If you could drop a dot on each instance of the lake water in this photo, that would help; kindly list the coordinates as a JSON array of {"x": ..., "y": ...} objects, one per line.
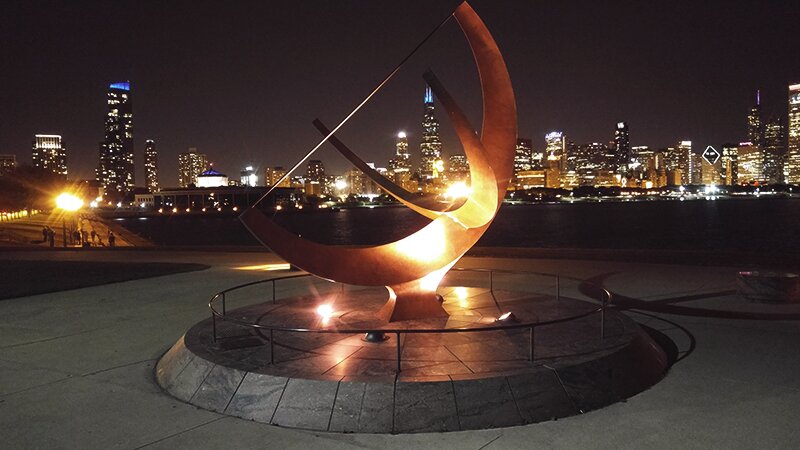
[{"x": 765, "y": 225}]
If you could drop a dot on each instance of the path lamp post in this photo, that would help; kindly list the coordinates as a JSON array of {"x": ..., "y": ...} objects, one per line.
[{"x": 68, "y": 203}]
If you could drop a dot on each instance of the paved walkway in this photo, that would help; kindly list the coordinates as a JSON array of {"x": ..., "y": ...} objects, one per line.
[
  {"x": 76, "y": 367},
  {"x": 28, "y": 231}
]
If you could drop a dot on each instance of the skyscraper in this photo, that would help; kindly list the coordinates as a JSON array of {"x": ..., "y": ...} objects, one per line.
[
  {"x": 431, "y": 147},
  {"x": 49, "y": 153},
  {"x": 555, "y": 153},
  {"x": 792, "y": 168},
  {"x": 115, "y": 170},
  {"x": 730, "y": 165},
  {"x": 755, "y": 126},
  {"x": 190, "y": 166},
  {"x": 457, "y": 168},
  {"x": 273, "y": 174},
  {"x": 315, "y": 170},
  {"x": 750, "y": 163},
  {"x": 687, "y": 162},
  {"x": 774, "y": 150},
  {"x": 402, "y": 160},
  {"x": 400, "y": 165},
  {"x": 151, "y": 165},
  {"x": 622, "y": 146},
  {"x": 248, "y": 177},
  {"x": 523, "y": 155}
]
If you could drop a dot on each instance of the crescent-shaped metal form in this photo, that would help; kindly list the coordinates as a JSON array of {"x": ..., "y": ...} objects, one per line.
[{"x": 411, "y": 268}]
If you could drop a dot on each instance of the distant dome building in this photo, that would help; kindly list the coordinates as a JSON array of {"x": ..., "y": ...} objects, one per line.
[{"x": 211, "y": 178}]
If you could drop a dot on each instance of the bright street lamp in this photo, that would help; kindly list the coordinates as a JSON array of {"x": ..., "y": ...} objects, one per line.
[{"x": 68, "y": 203}]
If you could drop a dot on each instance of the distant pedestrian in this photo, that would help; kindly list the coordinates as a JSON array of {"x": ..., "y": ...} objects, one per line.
[
  {"x": 94, "y": 235},
  {"x": 84, "y": 236},
  {"x": 112, "y": 240},
  {"x": 76, "y": 237},
  {"x": 51, "y": 236},
  {"x": 44, "y": 234}
]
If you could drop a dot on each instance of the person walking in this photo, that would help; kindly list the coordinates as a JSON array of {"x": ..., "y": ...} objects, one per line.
[
  {"x": 94, "y": 236},
  {"x": 44, "y": 234},
  {"x": 51, "y": 236},
  {"x": 112, "y": 240}
]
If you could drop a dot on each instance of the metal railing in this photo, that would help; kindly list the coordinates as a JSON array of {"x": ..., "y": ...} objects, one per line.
[{"x": 604, "y": 301}]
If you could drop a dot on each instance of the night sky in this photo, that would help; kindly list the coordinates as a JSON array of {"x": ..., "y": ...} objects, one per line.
[{"x": 243, "y": 81}]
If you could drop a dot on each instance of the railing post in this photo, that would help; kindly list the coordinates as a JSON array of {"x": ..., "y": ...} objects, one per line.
[
  {"x": 214, "y": 326},
  {"x": 558, "y": 287},
  {"x": 397, "y": 335},
  {"x": 530, "y": 349},
  {"x": 223, "y": 305},
  {"x": 273, "y": 290},
  {"x": 603, "y": 315},
  {"x": 271, "y": 348}
]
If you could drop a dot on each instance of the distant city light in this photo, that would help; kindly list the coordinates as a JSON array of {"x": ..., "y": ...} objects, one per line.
[
  {"x": 340, "y": 184},
  {"x": 125, "y": 86},
  {"x": 401, "y": 135}
]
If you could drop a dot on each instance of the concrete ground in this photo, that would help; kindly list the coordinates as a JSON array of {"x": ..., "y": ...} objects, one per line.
[{"x": 76, "y": 367}]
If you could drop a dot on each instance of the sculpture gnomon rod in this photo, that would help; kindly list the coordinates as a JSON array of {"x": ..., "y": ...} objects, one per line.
[{"x": 411, "y": 268}]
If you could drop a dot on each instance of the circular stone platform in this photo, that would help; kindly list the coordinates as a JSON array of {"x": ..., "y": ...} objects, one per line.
[{"x": 448, "y": 381}]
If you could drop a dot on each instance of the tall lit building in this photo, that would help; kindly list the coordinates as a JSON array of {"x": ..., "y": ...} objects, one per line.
[
  {"x": 457, "y": 168},
  {"x": 190, "y": 166},
  {"x": 555, "y": 151},
  {"x": 523, "y": 155},
  {"x": 792, "y": 167},
  {"x": 273, "y": 174},
  {"x": 622, "y": 148},
  {"x": 150, "y": 165},
  {"x": 774, "y": 150},
  {"x": 49, "y": 153},
  {"x": 315, "y": 171},
  {"x": 755, "y": 125},
  {"x": 687, "y": 163},
  {"x": 431, "y": 147},
  {"x": 402, "y": 159},
  {"x": 248, "y": 177},
  {"x": 115, "y": 170},
  {"x": 729, "y": 170},
  {"x": 400, "y": 165},
  {"x": 750, "y": 163}
]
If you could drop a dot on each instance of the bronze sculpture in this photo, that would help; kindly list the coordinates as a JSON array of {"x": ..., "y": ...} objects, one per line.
[{"x": 411, "y": 268}]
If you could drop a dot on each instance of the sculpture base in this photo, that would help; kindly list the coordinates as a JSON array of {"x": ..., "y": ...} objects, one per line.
[
  {"x": 448, "y": 380},
  {"x": 408, "y": 302}
]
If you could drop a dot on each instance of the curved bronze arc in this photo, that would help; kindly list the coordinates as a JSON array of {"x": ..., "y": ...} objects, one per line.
[{"x": 439, "y": 244}]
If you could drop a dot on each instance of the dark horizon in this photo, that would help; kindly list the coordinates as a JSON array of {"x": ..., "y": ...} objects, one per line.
[{"x": 242, "y": 82}]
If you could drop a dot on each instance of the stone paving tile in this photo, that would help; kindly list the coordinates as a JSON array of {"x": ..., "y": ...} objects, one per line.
[
  {"x": 485, "y": 403},
  {"x": 539, "y": 396},
  {"x": 424, "y": 407},
  {"x": 306, "y": 404},
  {"x": 218, "y": 388},
  {"x": 257, "y": 397}
]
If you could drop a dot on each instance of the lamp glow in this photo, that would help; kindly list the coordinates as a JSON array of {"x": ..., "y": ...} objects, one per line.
[
  {"x": 68, "y": 202},
  {"x": 458, "y": 190},
  {"x": 325, "y": 311}
]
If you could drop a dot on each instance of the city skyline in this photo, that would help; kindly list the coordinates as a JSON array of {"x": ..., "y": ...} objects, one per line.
[{"x": 700, "y": 87}]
